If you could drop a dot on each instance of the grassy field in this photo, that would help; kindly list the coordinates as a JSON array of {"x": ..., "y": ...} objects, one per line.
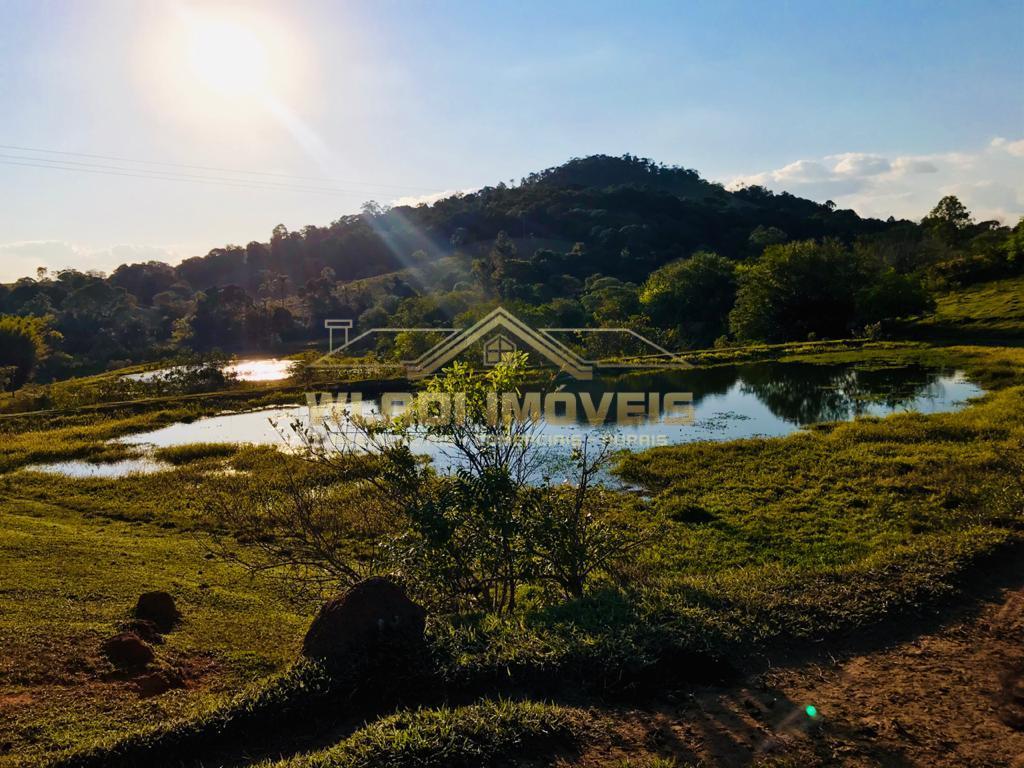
[
  {"x": 69, "y": 581},
  {"x": 986, "y": 311},
  {"x": 761, "y": 543}
]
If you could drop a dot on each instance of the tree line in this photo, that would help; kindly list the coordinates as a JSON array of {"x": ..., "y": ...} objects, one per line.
[{"x": 597, "y": 241}]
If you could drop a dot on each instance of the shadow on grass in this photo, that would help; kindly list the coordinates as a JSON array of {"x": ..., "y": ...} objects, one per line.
[{"x": 618, "y": 653}]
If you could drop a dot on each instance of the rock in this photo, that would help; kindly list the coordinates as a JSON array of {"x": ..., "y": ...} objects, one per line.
[
  {"x": 159, "y": 608},
  {"x": 159, "y": 681},
  {"x": 372, "y": 616},
  {"x": 127, "y": 651}
]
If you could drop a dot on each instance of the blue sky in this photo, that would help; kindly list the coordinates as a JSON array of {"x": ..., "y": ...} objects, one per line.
[{"x": 882, "y": 107}]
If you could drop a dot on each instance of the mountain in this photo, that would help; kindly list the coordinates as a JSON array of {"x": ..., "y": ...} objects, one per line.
[{"x": 608, "y": 204}]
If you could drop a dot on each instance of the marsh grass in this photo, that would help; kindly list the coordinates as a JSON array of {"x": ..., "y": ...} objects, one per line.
[{"x": 193, "y": 452}]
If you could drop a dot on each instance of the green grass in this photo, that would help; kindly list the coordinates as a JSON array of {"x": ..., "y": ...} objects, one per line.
[
  {"x": 68, "y": 582},
  {"x": 489, "y": 733},
  {"x": 760, "y": 541},
  {"x": 770, "y": 540},
  {"x": 993, "y": 310}
]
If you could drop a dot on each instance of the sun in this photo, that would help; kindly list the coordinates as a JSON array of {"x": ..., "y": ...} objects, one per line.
[
  {"x": 230, "y": 71},
  {"x": 226, "y": 57}
]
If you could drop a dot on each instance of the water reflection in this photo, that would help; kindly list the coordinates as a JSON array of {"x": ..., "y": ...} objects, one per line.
[
  {"x": 266, "y": 369},
  {"x": 800, "y": 393},
  {"x": 763, "y": 399},
  {"x": 78, "y": 468}
]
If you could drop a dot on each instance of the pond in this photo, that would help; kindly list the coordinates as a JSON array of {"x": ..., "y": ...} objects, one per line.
[
  {"x": 760, "y": 399},
  {"x": 78, "y": 468},
  {"x": 767, "y": 399},
  {"x": 263, "y": 369}
]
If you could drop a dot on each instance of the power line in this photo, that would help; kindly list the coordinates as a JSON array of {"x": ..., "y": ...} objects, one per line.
[
  {"x": 177, "y": 175},
  {"x": 142, "y": 173},
  {"x": 205, "y": 168},
  {"x": 240, "y": 183}
]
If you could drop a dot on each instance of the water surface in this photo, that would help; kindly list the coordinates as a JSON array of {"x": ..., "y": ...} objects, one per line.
[
  {"x": 263, "y": 369},
  {"x": 123, "y": 468},
  {"x": 729, "y": 402}
]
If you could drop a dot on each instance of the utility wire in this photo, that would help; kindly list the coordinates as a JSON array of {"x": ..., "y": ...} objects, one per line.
[
  {"x": 143, "y": 173},
  {"x": 204, "y": 168},
  {"x": 241, "y": 184},
  {"x": 170, "y": 175}
]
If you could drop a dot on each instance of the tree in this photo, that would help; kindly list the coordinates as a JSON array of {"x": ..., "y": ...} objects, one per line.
[
  {"x": 949, "y": 210},
  {"x": 892, "y": 295},
  {"x": 23, "y": 343},
  {"x": 217, "y": 320},
  {"x": 696, "y": 292},
  {"x": 763, "y": 236},
  {"x": 797, "y": 289},
  {"x": 1013, "y": 248},
  {"x": 949, "y": 221},
  {"x": 490, "y": 270},
  {"x": 609, "y": 300},
  {"x": 471, "y": 537},
  {"x": 144, "y": 281}
]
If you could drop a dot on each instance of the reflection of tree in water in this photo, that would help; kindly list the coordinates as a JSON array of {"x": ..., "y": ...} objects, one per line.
[
  {"x": 896, "y": 388},
  {"x": 798, "y": 393},
  {"x": 804, "y": 394},
  {"x": 701, "y": 383}
]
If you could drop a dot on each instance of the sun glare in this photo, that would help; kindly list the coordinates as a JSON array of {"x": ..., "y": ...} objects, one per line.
[
  {"x": 231, "y": 73},
  {"x": 227, "y": 57},
  {"x": 207, "y": 62}
]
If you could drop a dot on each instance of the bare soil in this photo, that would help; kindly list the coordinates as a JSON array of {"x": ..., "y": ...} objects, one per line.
[{"x": 951, "y": 694}]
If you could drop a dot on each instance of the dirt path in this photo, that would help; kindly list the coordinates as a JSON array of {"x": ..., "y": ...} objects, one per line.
[{"x": 949, "y": 697}]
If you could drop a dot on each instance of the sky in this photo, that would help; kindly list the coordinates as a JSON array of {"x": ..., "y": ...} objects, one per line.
[{"x": 187, "y": 126}]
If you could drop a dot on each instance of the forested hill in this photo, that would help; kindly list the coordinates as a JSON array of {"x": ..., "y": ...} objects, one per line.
[
  {"x": 596, "y": 241},
  {"x": 629, "y": 214}
]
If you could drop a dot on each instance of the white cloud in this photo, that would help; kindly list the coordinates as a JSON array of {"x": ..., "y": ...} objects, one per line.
[
  {"x": 432, "y": 197},
  {"x": 859, "y": 164},
  {"x": 23, "y": 258},
  {"x": 990, "y": 181},
  {"x": 913, "y": 165},
  {"x": 1015, "y": 148}
]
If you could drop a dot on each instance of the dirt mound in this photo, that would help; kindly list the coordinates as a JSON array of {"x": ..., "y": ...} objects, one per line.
[
  {"x": 145, "y": 629},
  {"x": 127, "y": 651},
  {"x": 373, "y": 616},
  {"x": 159, "y": 608},
  {"x": 159, "y": 681}
]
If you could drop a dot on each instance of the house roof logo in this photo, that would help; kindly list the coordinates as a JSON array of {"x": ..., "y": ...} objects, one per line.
[{"x": 500, "y": 331}]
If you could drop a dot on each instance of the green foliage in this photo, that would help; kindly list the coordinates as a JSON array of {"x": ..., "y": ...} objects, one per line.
[
  {"x": 763, "y": 236},
  {"x": 23, "y": 342},
  {"x": 486, "y": 733},
  {"x": 570, "y": 243},
  {"x": 828, "y": 531},
  {"x": 891, "y": 295},
  {"x": 692, "y": 295},
  {"x": 948, "y": 217},
  {"x": 797, "y": 289}
]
